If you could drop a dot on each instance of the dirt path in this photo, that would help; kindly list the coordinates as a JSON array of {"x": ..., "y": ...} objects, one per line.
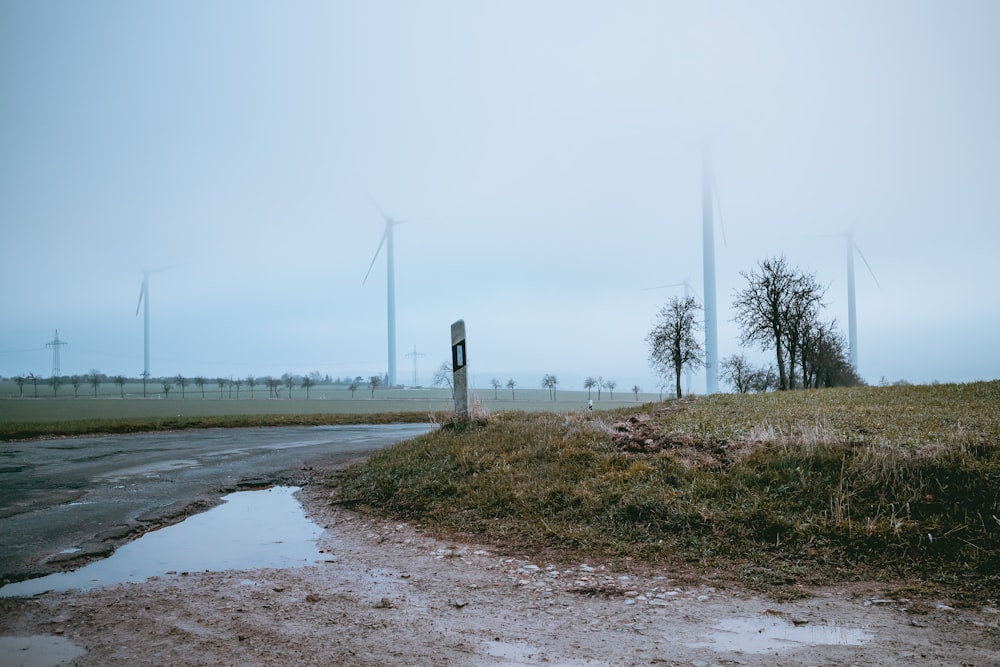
[{"x": 390, "y": 595}]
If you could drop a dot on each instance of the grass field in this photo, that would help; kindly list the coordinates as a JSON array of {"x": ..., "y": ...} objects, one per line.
[
  {"x": 778, "y": 491},
  {"x": 66, "y": 414}
]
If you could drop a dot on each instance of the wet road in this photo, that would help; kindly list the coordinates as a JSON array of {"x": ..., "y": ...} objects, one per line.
[{"x": 66, "y": 501}]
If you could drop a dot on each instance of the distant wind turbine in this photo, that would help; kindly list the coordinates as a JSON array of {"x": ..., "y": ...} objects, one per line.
[
  {"x": 387, "y": 241},
  {"x": 144, "y": 304},
  {"x": 708, "y": 204},
  {"x": 852, "y": 316}
]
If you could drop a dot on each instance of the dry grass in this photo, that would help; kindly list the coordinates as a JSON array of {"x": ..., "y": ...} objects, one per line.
[{"x": 782, "y": 489}]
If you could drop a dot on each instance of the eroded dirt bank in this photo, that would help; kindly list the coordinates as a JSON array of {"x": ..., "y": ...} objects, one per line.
[{"x": 389, "y": 595}]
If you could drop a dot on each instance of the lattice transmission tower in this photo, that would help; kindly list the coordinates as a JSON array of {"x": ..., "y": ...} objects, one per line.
[{"x": 55, "y": 344}]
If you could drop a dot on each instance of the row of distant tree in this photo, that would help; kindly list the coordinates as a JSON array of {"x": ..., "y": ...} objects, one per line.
[
  {"x": 780, "y": 310},
  {"x": 275, "y": 386}
]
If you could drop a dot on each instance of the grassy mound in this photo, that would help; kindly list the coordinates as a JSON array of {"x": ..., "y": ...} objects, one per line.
[{"x": 779, "y": 490}]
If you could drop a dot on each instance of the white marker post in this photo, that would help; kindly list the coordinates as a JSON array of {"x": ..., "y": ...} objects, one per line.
[{"x": 459, "y": 370}]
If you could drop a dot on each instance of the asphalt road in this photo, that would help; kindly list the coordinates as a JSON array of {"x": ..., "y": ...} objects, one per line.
[{"x": 64, "y": 502}]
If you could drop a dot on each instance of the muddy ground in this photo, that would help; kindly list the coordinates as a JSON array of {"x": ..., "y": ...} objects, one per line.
[{"x": 388, "y": 594}]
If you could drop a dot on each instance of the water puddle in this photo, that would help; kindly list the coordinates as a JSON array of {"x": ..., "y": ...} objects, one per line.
[
  {"x": 251, "y": 529},
  {"x": 38, "y": 651},
  {"x": 773, "y": 632}
]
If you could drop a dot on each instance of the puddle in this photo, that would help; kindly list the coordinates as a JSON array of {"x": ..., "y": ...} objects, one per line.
[
  {"x": 251, "y": 529},
  {"x": 770, "y": 632},
  {"x": 38, "y": 651}
]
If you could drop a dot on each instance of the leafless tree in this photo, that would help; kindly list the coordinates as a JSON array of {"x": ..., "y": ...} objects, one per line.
[
  {"x": 737, "y": 371},
  {"x": 510, "y": 385},
  {"x": 672, "y": 342},
  {"x": 120, "y": 381},
  {"x": 373, "y": 382},
  {"x": 307, "y": 382},
  {"x": 611, "y": 384},
  {"x": 549, "y": 382},
  {"x": 496, "y": 384},
  {"x": 443, "y": 375},
  {"x": 94, "y": 378},
  {"x": 181, "y": 382},
  {"x": 588, "y": 384},
  {"x": 75, "y": 381},
  {"x": 777, "y": 306}
]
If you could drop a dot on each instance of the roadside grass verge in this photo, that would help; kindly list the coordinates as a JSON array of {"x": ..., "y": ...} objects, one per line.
[{"x": 778, "y": 491}]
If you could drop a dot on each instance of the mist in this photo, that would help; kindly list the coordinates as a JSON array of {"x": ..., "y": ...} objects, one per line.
[{"x": 545, "y": 157}]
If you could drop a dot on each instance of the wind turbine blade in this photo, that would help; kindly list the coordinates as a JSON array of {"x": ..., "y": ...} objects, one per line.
[
  {"x": 665, "y": 286},
  {"x": 862, "y": 256},
  {"x": 377, "y": 251},
  {"x": 379, "y": 209},
  {"x": 142, "y": 290}
]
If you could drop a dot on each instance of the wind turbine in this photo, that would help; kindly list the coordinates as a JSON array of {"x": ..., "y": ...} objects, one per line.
[
  {"x": 708, "y": 204},
  {"x": 144, "y": 304},
  {"x": 390, "y": 288},
  {"x": 852, "y": 315}
]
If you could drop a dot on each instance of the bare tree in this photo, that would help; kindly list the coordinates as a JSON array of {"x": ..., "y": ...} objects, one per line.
[
  {"x": 777, "y": 305},
  {"x": 672, "y": 342},
  {"x": 353, "y": 387},
  {"x": 510, "y": 385},
  {"x": 251, "y": 382},
  {"x": 222, "y": 382},
  {"x": 120, "y": 381},
  {"x": 236, "y": 383},
  {"x": 824, "y": 359},
  {"x": 75, "y": 381},
  {"x": 167, "y": 386},
  {"x": 307, "y": 382},
  {"x": 200, "y": 382},
  {"x": 549, "y": 382},
  {"x": 374, "y": 381},
  {"x": 737, "y": 371},
  {"x": 56, "y": 382},
  {"x": 94, "y": 377},
  {"x": 33, "y": 379},
  {"x": 181, "y": 382},
  {"x": 588, "y": 384},
  {"x": 611, "y": 384},
  {"x": 443, "y": 375},
  {"x": 636, "y": 390},
  {"x": 496, "y": 384},
  {"x": 19, "y": 380},
  {"x": 289, "y": 381}
]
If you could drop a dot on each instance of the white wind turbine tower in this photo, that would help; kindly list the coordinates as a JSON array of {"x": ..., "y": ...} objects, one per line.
[
  {"x": 852, "y": 315},
  {"x": 387, "y": 240},
  {"x": 709, "y": 201},
  {"x": 144, "y": 304}
]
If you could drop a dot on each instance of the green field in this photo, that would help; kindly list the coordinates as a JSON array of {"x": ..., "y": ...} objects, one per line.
[{"x": 66, "y": 414}]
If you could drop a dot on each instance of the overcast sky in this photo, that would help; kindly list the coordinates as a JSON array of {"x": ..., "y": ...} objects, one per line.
[{"x": 547, "y": 153}]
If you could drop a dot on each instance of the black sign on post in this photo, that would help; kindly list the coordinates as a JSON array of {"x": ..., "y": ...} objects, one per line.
[
  {"x": 458, "y": 356},
  {"x": 459, "y": 359}
]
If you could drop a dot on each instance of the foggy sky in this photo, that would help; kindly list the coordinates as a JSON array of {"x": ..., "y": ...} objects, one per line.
[{"x": 547, "y": 154}]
